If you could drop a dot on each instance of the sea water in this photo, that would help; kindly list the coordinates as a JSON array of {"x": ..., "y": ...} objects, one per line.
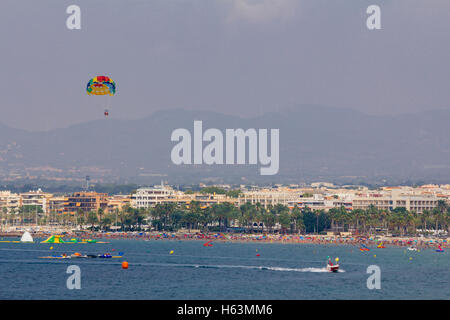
[{"x": 224, "y": 271}]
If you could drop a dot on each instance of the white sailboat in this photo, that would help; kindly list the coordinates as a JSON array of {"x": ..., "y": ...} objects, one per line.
[{"x": 26, "y": 237}]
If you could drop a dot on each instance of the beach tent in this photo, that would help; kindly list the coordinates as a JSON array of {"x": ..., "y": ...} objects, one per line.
[
  {"x": 26, "y": 237},
  {"x": 54, "y": 239}
]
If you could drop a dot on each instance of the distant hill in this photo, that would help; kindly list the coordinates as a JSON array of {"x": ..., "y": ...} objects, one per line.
[{"x": 316, "y": 144}]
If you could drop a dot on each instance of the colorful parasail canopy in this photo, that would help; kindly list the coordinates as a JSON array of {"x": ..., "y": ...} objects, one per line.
[{"x": 101, "y": 85}]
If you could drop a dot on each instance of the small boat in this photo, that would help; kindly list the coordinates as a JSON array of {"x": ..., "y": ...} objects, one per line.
[
  {"x": 440, "y": 249},
  {"x": 63, "y": 256},
  {"x": 411, "y": 249},
  {"x": 109, "y": 256},
  {"x": 333, "y": 268},
  {"x": 78, "y": 255}
]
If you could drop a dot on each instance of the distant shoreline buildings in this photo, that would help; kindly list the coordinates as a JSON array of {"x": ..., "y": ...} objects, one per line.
[{"x": 316, "y": 197}]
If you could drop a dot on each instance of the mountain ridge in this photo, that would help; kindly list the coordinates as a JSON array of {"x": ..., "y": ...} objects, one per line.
[{"x": 316, "y": 143}]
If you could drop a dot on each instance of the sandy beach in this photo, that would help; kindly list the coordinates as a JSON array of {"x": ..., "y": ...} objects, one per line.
[{"x": 42, "y": 232}]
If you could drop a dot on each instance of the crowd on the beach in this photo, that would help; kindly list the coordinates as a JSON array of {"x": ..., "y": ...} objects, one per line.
[
  {"x": 279, "y": 238},
  {"x": 355, "y": 240}
]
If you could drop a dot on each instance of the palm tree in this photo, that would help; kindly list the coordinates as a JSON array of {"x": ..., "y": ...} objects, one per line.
[
  {"x": 218, "y": 213},
  {"x": 269, "y": 217},
  {"x": 372, "y": 216},
  {"x": 92, "y": 219},
  {"x": 284, "y": 220},
  {"x": 316, "y": 226},
  {"x": 80, "y": 217},
  {"x": 259, "y": 215},
  {"x": 424, "y": 217},
  {"x": 442, "y": 208},
  {"x": 123, "y": 217},
  {"x": 191, "y": 217},
  {"x": 4, "y": 215},
  {"x": 248, "y": 210},
  {"x": 297, "y": 217},
  {"x": 100, "y": 214},
  {"x": 228, "y": 212}
]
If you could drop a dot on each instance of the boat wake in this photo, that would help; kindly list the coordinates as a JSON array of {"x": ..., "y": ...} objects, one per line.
[
  {"x": 301, "y": 269},
  {"x": 257, "y": 268},
  {"x": 179, "y": 265}
]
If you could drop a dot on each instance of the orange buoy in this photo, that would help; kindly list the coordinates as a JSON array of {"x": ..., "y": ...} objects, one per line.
[{"x": 124, "y": 265}]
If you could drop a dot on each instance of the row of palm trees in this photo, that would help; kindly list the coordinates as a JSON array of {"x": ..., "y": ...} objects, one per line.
[
  {"x": 398, "y": 220},
  {"x": 249, "y": 217}
]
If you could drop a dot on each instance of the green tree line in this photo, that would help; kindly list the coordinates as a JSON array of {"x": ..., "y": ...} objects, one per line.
[{"x": 248, "y": 217}]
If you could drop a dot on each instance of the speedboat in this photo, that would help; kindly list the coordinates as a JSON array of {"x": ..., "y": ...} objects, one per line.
[
  {"x": 332, "y": 267},
  {"x": 411, "y": 249},
  {"x": 78, "y": 255}
]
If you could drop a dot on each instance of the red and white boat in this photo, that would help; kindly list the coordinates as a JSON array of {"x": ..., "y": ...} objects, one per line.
[{"x": 332, "y": 267}]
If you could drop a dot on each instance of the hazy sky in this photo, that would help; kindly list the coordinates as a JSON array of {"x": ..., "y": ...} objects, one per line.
[{"x": 233, "y": 56}]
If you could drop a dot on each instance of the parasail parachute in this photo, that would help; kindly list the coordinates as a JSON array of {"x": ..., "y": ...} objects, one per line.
[{"x": 100, "y": 86}]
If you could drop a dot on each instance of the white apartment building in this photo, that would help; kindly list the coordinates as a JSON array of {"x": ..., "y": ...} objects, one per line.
[
  {"x": 390, "y": 201},
  {"x": 9, "y": 201},
  {"x": 269, "y": 197},
  {"x": 36, "y": 198},
  {"x": 150, "y": 197}
]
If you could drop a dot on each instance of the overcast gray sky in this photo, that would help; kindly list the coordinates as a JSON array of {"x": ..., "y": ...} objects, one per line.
[{"x": 240, "y": 57}]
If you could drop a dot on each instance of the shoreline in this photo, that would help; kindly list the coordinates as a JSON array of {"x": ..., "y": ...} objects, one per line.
[{"x": 419, "y": 242}]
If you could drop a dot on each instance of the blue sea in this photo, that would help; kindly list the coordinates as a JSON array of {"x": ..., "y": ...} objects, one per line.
[{"x": 223, "y": 271}]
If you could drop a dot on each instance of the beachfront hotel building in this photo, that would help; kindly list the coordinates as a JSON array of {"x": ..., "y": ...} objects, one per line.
[
  {"x": 117, "y": 203},
  {"x": 150, "y": 197},
  {"x": 320, "y": 202},
  {"x": 56, "y": 204},
  {"x": 267, "y": 197},
  {"x": 86, "y": 202},
  {"x": 413, "y": 199},
  {"x": 9, "y": 202},
  {"x": 387, "y": 198},
  {"x": 416, "y": 199},
  {"x": 205, "y": 200},
  {"x": 392, "y": 201},
  {"x": 36, "y": 198}
]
